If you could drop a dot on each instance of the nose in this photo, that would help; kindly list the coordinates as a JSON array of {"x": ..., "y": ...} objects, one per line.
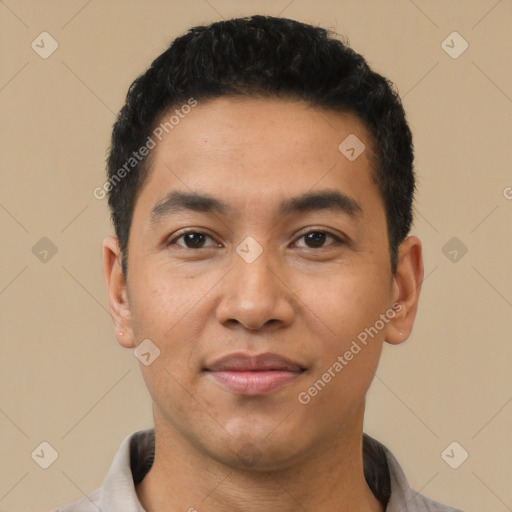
[{"x": 255, "y": 295}]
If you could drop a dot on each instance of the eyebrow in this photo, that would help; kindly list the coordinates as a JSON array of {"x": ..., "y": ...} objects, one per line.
[
  {"x": 178, "y": 201},
  {"x": 321, "y": 200}
]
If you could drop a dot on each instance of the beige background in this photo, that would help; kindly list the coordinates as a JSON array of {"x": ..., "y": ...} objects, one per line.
[{"x": 64, "y": 379}]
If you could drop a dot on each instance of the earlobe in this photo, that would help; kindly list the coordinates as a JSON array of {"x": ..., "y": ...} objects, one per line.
[
  {"x": 406, "y": 290},
  {"x": 117, "y": 294}
]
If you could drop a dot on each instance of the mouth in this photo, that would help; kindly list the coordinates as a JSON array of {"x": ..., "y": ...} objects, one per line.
[{"x": 243, "y": 374}]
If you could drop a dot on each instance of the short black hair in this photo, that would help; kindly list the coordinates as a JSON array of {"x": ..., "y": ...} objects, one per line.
[{"x": 264, "y": 56}]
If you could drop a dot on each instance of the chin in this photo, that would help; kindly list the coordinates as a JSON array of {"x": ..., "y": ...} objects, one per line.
[{"x": 257, "y": 452}]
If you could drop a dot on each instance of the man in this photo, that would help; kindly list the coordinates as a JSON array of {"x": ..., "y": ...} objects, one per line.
[{"x": 261, "y": 184}]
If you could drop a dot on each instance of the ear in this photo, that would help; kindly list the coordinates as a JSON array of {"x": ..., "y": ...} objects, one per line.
[
  {"x": 406, "y": 290},
  {"x": 117, "y": 294}
]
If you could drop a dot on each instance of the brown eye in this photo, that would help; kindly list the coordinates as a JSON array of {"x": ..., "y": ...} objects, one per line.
[
  {"x": 317, "y": 239},
  {"x": 192, "y": 240}
]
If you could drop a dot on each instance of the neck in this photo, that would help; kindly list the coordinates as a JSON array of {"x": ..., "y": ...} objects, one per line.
[{"x": 184, "y": 478}]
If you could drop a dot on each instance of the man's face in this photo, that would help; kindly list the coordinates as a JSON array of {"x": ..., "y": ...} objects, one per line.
[{"x": 267, "y": 272}]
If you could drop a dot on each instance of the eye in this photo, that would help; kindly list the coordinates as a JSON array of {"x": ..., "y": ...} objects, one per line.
[
  {"x": 316, "y": 239},
  {"x": 193, "y": 240}
]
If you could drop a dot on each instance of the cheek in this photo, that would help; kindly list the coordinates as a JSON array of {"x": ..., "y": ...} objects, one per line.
[
  {"x": 344, "y": 304},
  {"x": 335, "y": 402},
  {"x": 340, "y": 380},
  {"x": 349, "y": 335},
  {"x": 165, "y": 301},
  {"x": 168, "y": 316}
]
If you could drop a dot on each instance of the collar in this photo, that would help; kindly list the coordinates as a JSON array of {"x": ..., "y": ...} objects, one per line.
[{"x": 382, "y": 471}]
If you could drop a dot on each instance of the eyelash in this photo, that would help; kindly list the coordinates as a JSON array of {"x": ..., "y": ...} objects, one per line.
[{"x": 328, "y": 233}]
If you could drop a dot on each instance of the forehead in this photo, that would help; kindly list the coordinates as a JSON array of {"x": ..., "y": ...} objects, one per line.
[{"x": 255, "y": 151}]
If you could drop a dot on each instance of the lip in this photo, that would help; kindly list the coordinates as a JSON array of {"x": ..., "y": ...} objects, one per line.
[{"x": 251, "y": 375}]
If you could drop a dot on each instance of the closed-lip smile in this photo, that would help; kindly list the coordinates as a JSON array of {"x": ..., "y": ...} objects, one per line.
[{"x": 245, "y": 374}]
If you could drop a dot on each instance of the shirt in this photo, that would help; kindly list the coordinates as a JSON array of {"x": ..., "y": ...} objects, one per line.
[{"x": 135, "y": 456}]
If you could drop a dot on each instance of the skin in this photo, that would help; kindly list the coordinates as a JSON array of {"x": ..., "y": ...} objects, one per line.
[{"x": 303, "y": 301}]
